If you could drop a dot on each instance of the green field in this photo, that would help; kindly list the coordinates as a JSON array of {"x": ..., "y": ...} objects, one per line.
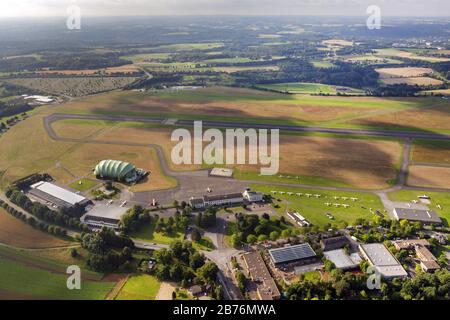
[
  {"x": 322, "y": 64},
  {"x": 147, "y": 233},
  {"x": 22, "y": 280},
  {"x": 139, "y": 287},
  {"x": 86, "y": 184},
  {"x": 314, "y": 209},
  {"x": 309, "y": 88},
  {"x": 441, "y": 198}
]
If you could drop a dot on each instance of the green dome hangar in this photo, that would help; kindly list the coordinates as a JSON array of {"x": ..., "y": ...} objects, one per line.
[{"x": 119, "y": 171}]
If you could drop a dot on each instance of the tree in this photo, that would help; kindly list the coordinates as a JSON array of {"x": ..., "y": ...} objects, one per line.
[
  {"x": 251, "y": 239},
  {"x": 236, "y": 241},
  {"x": 196, "y": 260},
  {"x": 73, "y": 253},
  {"x": 262, "y": 238},
  {"x": 195, "y": 235},
  {"x": 208, "y": 272},
  {"x": 274, "y": 235}
]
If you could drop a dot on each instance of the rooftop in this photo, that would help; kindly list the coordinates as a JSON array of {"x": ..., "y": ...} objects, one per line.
[
  {"x": 223, "y": 197},
  {"x": 58, "y": 192},
  {"x": 380, "y": 257},
  {"x": 292, "y": 253},
  {"x": 426, "y": 216},
  {"x": 107, "y": 211},
  {"x": 341, "y": 259}
]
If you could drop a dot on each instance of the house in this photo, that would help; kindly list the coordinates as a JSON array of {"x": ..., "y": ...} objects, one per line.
[
  {"x": 428, "y": 261},
  {"x": 197, "y": 291},
  {"x": 334, "y": 243}
]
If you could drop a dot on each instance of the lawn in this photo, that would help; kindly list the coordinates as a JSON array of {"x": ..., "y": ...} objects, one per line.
[
  {"x": 205, "y": 244},
  {"x": 139, "y": 287},
  {"x": 22, "y": 280},
  {"x": 314, "y": 209},
  {"x": 84, "y": 185},
  {"x": 301, "y": 88},
  {"x": 147, "y": 233},
  {"x": 437, "y": 198}
]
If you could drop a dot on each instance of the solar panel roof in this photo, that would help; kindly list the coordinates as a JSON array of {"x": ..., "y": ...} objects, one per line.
[{"x": 293, "y": 253}]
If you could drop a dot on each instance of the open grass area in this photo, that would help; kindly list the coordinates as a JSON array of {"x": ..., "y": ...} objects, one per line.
[
  {"x": 437, "y": 198},
  {"x": 148, "y": 233},
  {"x": 315, "y": 209},
  {"x": 310, "y": 88},
  {"x": 15, "y": 232},
  {"x": 84, "y": 185},
  {"x": 27, "y": 282},
  {"x": 204, "y": 243},
  {"x": 139, "y": 287}
]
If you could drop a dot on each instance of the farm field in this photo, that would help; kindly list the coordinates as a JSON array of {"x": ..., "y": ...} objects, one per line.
[
  {"x": 89, "y": 72},
  {"x": 406, "y": 72},
  {"x": 324, "y": 64},
  {"x": 412, "y": 81},
  {"x": 314, "y": 209},
  {"x": 431, "y": 151},
  {"x": 15, "y": 232},
  {"x": 33, "y": 283},
  {"x": 310, "y": 88},
  {"x": 390, "y": 52},
  {"x": 75, "y": 87},
  {"x": 445, "y": 92},
  {"x": 245, "y": 68},
  {"x": 437, "y": 198},
  {"x": 139, "y": 287},
  {"x": 427, "y": 176},
  {"x": 370, "y": 59}
]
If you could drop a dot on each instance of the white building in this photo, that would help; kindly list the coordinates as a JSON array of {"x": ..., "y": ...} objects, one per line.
[{"x": 252, "y": 196}]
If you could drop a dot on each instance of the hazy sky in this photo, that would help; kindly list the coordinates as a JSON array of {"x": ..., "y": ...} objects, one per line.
[{"x": 26, "y": 8}]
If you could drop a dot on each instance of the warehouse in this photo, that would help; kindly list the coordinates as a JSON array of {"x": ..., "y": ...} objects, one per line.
[
  {"x": 382, "y": 259},
  {"x": 103, "y": 215},
  {"x": 118, "y": 171},
  {"x": 299, "y": 254},
  {"x": 55, "y": 196},
  {"x": 424, "y": 216},
  {"x": 342, "y": 260}
]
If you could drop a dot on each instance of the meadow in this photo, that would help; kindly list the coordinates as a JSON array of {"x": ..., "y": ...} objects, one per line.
[
  {"x": 26, "y": 282},
  {"x": 139, "y": 287},
  {"x": 315, "y": 209}
]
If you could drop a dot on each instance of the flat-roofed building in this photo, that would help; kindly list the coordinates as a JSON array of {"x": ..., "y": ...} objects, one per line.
[
  {"x": 57, "y": 196},
  {"x": 102, "y": 215},
  {"x": 266, "y": 287},
  {"x": 221, "y": 172},
  {"x": 420, "y": 215},
  {"x": 223, "y": 199},
  {"x": 342, "y": 260},
  {"x": 382, "y": 259},
  {"x": 252, "y": 196},
  {"x": 301, "y": 254}
]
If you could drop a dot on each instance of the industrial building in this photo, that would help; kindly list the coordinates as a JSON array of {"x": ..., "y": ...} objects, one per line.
[
  {"x": 102, "y": 215},
  {"x": 299, "y": 219},
  {"x": 382, "y": 259},
  {"x": 342, "y": 260},
  {"x": 56, "y": 196},
  {"x": 424, "y": 216},
  {"x": 118, "y": 171},
  {"x": 266, "y": 288},
  {"x": 299, "y": 254},
  {"x": 225, "y": 199}
]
